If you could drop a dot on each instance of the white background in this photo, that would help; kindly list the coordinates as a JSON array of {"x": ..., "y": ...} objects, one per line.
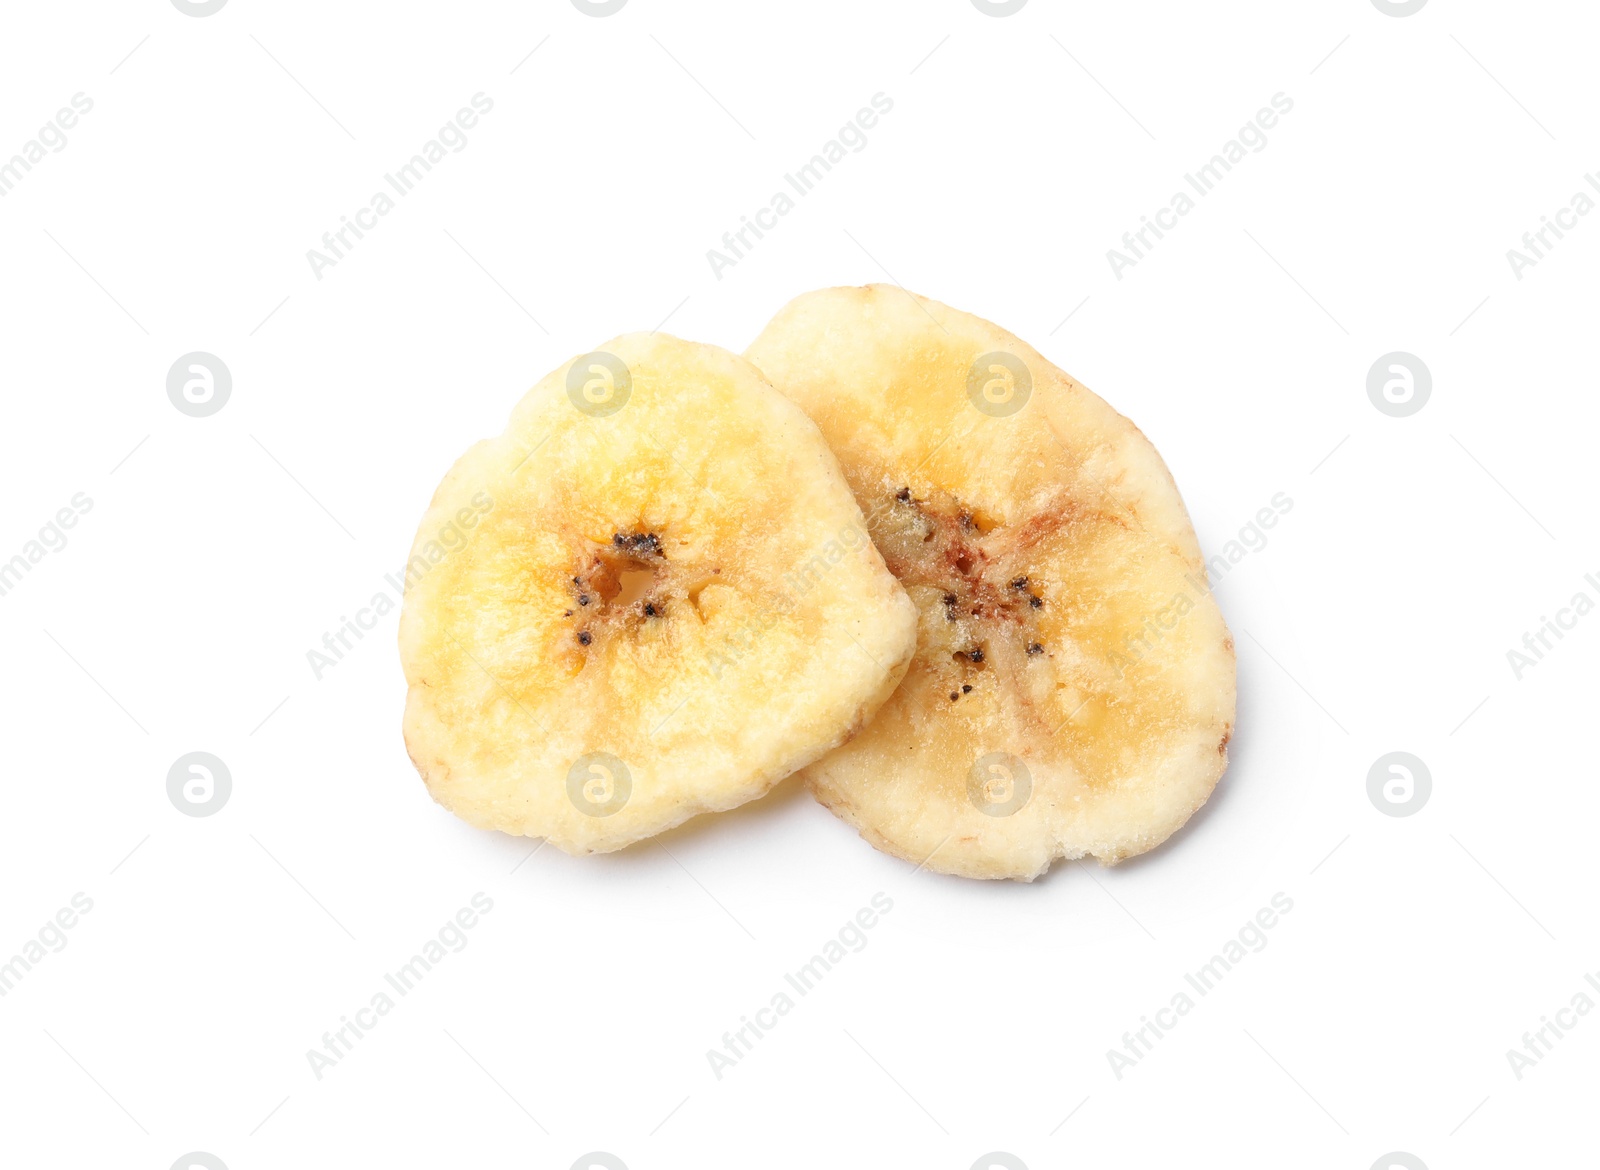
[{"x": 217, "y": 553}]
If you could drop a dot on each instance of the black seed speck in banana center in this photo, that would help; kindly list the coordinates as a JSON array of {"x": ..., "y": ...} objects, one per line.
[{"x": 584, "y": 638}]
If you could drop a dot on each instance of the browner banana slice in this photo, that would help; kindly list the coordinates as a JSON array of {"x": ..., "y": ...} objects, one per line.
[
  {"x": 1073, "y": 686},
  {"x": 653, "y": 596}
]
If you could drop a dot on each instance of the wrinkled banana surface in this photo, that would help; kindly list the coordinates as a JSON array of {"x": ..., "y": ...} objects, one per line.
[
  {"x": 653, "y": 596},
  {"x": 1072, "y": 691}
]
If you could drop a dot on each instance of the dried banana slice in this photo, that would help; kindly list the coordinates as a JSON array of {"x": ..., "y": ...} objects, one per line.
[
  {"x": 1073, "y": 686},
  {"x": 653, "y": 596}
]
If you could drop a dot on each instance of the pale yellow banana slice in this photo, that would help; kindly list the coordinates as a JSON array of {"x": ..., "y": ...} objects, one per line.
[
  {"x": 653, "y": 596},
  {"x": 1073, "y": 687}
]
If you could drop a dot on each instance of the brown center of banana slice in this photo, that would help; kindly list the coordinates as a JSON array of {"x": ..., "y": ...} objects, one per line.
[{"x": 616, "y": 586}]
